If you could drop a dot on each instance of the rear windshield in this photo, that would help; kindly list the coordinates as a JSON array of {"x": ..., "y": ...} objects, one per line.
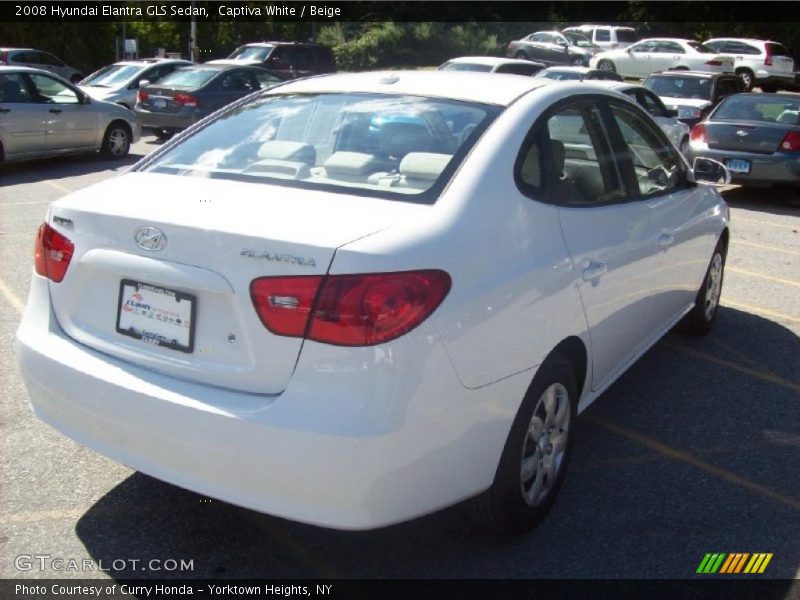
[
  {"x": 398, "y": 147},
  {"x": 111, "y": 75},
  {"x": 627, "y": 35},
  {"x": 759, "y": 107},
  {"x": 188, "y": 78},
  {"x": 680, "y": 87},
  {"x": 251, "y": 52},
  {"x": 462, "y": 66}
]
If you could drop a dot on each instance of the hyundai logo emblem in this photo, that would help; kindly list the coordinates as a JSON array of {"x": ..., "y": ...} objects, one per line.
[{"x": 150, "y": 238}]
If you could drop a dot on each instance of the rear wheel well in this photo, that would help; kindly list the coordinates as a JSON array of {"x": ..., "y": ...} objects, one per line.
[
  {"x": 724, "y": 238},
  {"x": 574, "y": 350}
]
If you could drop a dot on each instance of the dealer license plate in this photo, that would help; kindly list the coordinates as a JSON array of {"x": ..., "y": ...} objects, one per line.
[
  {"x": 160, "y": 103},
  {"x": 156, "y": 315},
  {"x": 736, "y": 165}
]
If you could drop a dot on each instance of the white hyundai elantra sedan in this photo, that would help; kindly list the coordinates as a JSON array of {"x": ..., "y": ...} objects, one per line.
[{"x": 355, "y": 299}]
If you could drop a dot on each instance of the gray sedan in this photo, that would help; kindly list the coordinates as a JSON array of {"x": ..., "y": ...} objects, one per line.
[
  {"x": 188, "y": 95},
  {"x": 121, "y": 81},
  {"x": 757, "y": 136},
  {"x": 43, "y": 115}
]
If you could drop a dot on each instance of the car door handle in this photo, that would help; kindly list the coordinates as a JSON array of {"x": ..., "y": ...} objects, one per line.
[
  {"x": 55, "y": 111},
  {"x": 594, "y": 270},
  {"x": 665, "y": 240}
]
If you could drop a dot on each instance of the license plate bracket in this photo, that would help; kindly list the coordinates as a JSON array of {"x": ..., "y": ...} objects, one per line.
[
  {"x": 156, "y": 315},
  {"x": 737, "y": 165}
]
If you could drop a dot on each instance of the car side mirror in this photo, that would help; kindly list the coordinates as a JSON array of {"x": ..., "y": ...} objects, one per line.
[
  {"x": 712, "y": 172},
  {"x": 144, "y": 83},
  {"x": 86, "y": 99},
  {"x": 672, "y": 112}
]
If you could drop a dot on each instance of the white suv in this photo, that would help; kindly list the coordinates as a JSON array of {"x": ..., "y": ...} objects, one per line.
[
  {"x": 607, "y": 36},
  {"x": 765, "y": 64}
]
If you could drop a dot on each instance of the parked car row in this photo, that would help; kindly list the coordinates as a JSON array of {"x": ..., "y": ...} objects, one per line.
[{"x": 762, "y": 63}]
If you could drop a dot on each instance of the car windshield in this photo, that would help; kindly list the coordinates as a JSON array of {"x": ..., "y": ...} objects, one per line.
[
  {"x": 760, "y": 107},
  {"x": 188, "y": 78},
  {"x": 627, "y": 35},
  {"x": 560, "y": 75},
  {"x": 701, "y": 48},
  {"x": 680, "y": 87},
  {"x": 577, "y": 39},
  {"x": 251, "y": 52},
  {"x": 398, "y": 147},
  {"x": 462, "y": 66},
  {"x": 112, "y": 75}
]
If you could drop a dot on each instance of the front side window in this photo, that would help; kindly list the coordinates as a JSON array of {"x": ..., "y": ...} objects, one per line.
[
  {"x": 701, "y": 48},
  {"x": 396, "y": 147},
  {"x": 657, "y": 168},
  {"x": 51, "y": 90},
  {"x": 644, "y": 47},
  {"x": 670, "y": 47},
  {"x": 238, "y": 81}
]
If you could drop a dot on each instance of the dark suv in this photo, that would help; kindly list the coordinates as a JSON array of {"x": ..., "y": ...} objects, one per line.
[
  {"x": 693, "y": 93},
  {"x": 288, "y": 59}
]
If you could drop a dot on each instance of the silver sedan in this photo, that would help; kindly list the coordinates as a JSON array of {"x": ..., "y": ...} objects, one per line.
[{"x": 43, "y": 115}]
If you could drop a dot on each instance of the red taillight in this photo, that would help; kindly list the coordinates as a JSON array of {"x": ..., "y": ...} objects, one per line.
[
  {"x": 349, "y": 310},
  {"x": 142, "y": 96},
  {"x": 768, "y": 57},
  {"x": 698, "y": 134},
  {"x": 791, "y": 141},
  {"x": 52, "y": 253},
  {"x": 185, "y": 99}
]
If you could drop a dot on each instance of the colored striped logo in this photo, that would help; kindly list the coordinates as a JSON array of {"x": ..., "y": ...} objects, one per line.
[{"x": 737, "y": 562}]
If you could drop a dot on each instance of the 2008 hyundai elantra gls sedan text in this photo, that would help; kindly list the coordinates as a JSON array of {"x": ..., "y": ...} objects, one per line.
[{"x": 355, "y": 299}]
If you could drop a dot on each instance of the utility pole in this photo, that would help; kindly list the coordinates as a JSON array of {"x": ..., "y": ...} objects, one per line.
[{"x": 193, "y": 54}]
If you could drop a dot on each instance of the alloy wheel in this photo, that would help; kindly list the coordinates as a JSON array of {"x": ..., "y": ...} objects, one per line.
[{"x": 713, "y": 286}]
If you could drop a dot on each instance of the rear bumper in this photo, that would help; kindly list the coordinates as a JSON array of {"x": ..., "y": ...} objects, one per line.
[
  {"x": 358, "y": 440},
  {"x": 171, "y": 121},
  {"x": 770, "y": 78},
  {"x": 776, "y": 168}
]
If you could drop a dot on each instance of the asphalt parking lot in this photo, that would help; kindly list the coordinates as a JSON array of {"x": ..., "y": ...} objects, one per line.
[{"x": 696, "y": 449}]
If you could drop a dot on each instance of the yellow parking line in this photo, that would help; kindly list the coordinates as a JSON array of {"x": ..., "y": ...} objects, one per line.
[
  {"x": 58, "y": 186},
  {"x": 687, "y": 458},
  {"x": 760, "y": 311},
  {"x": 762, "y": 276},
  {"x": 756, "y": 373},
  {"x": 766, "y": 247},
  {"x": 11, "y": 297},
  {"x": 735, "y": 219}
]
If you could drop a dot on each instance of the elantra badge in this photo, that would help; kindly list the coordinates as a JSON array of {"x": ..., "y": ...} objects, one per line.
[{"x": 150, "y": 238}]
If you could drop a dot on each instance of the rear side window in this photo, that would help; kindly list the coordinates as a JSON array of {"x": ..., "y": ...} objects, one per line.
[
  {"x": 395, "y": 147},
  {"x": 518, "y": 69},
  {"x": 627, "y": 35},
  {"x": 602, "y": 35},
  {"x": 13, "y": 88},
  {"x": 739, "y": 48},
  {"x": 188, "y": 78},
  {"x": 568, "y": 160},
  {"x": 776, "y": 49}
]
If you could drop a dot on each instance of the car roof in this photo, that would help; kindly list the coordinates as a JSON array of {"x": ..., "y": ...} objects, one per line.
[
  {"x": 26, "y": 70},
  {"x": 617, "y": 85},
  {"x": 569, "y": 69},
  {"x": 5, "y": 49},
  {"x": 667, "y": 39},
  {"x": 491, "y": 61},
  {"x": 698, "y": 74},
  {"x": 266, "y": 43},
  {"x": 484, "y": 88},
  {"x": 737, "y": 39},
  {"x": 153, "y": 61},
  {"x": 580, "y": 27}
]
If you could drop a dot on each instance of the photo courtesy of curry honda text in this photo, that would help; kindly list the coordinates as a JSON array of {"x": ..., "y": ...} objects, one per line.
[{"x": 354, "y": 299}]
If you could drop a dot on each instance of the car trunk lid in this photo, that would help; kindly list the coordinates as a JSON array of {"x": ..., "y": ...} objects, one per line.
[
  {"x": 745, "y": 136},
  {"x": 216, "y": 238}
]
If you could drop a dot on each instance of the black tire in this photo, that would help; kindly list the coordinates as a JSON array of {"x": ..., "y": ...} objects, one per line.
[
  {"x": 116, "y": 141},
  {"x": 607, "y": 65},
  {"x": 521, "y": 55},
  {"x": 747, "y": 77},
  {"x": 504, "y": 508},
  {"x": 162, "y": 135},
  {"x": 579, "y": 61},
  {"x": 769, "y": 88},
  {"x": 700, "y": 320}
]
